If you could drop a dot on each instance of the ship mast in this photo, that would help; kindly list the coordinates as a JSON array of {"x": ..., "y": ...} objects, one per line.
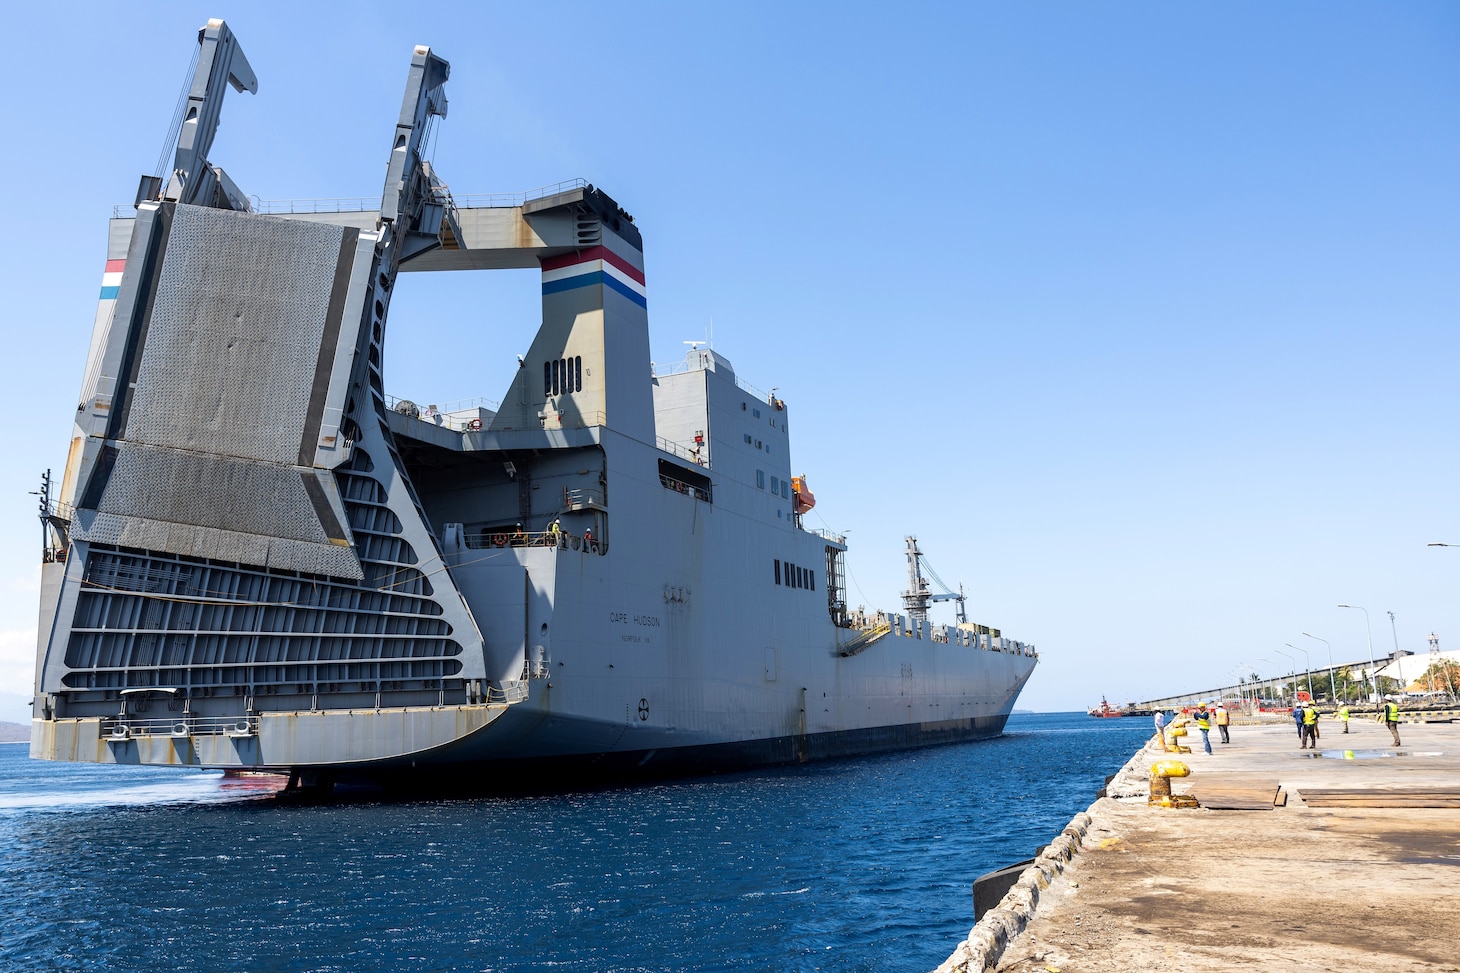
[{"x": 915, "y": 599}]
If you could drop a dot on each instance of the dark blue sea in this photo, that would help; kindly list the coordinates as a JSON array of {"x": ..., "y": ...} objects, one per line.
[{"x": 862, "y": 864}]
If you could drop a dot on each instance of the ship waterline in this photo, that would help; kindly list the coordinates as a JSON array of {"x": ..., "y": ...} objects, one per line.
[{"x": 258, "y": 560}]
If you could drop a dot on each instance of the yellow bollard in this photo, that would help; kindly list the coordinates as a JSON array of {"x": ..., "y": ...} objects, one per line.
[
  {"x": 1178, "y": 730},
  {"x": 1161, "y": 773}
]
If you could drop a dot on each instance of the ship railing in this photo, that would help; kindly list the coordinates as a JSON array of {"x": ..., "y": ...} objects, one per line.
[
  {"x": 683, "y": 452},
  {"x": 864, "y": 640},
  {"x": 582, "y": 500},
  {"x": 336, "y": 204},
  {"x": 507, "y": 200},
  {"x": 534, "y": 669},
  {"x": 563, "y": 540},
  {"x": 178, "y": 725},
  {"x": 368, "y": 204},
  {"x": 689, "y": 489},
  {"x": 441, "y": 414},
  {"x": 659, "y": 370},
  {"x": 514, "y": 691},
  {"x": 830, "y": 535}
]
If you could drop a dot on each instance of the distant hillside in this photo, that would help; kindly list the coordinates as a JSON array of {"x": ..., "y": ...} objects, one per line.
[{"x": 14, "y": 733}]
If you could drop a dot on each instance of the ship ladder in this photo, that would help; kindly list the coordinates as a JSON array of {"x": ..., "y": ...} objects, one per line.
[{"x": 863, "y": 641}]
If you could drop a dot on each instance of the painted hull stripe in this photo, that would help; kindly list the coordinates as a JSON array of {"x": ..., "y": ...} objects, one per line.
[
  {"x": 597, "y": 266},
  {"x": 590, "y": 280},
  {"x": 594, "y": 253},
  {"x": 111, "y": 279}
]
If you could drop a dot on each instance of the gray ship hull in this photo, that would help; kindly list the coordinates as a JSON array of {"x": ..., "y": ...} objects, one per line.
[{"x": 257, "y": 560}]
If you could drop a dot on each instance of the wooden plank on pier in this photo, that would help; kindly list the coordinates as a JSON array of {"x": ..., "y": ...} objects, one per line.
[
  {"x": 1233, "y": 793},
  {"x": 1448, "y": 797}
]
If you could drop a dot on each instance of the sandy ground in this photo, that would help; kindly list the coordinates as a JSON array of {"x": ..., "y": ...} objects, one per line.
[{"x": 1289, "y": 889}]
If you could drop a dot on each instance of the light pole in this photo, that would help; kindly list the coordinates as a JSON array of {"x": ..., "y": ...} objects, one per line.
[
  {"x": 1293, "y": 671},
  {"x": 1308, "y": 670},
  {"x": 1239, "y": 672},
  {"x": 1265, "y": 662},
  {"x": 1398, "y": 665},
  {"x": 1332, "y": 685},
  {"x": 1374, "y": 672}
]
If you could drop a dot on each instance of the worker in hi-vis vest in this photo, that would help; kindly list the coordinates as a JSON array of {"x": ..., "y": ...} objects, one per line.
[
  {"x": 1389, "y": 715},
  {"x": 1204, "y": 724},
  {"x": 1310, "y": 727}
]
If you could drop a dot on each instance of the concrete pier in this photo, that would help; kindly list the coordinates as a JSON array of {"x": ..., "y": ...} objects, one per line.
[{"x": 1347, "y": 858}]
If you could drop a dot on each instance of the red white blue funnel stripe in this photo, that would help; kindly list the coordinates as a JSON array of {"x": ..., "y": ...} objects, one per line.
[
  {"x": 598, "y": 265},
  {"x": 111, "y": 279}
]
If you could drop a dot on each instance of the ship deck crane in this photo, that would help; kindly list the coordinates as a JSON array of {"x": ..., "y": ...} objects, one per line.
[{"x": 917, "y": 598}]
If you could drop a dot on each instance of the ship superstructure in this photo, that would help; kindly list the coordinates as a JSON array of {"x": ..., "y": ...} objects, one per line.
[{"x": 259, "y": 560}]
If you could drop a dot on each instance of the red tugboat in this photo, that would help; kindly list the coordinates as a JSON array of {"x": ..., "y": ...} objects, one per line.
[{"x": 1106, "y": 710}]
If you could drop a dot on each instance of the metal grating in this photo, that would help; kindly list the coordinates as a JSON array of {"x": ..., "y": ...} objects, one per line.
[{"x": 229, "y": 366}]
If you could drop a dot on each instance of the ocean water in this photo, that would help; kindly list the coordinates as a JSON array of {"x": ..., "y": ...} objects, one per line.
[{"x": 858, "y": 865}]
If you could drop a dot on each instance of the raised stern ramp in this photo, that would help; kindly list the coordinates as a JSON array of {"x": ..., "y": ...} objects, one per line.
[{"x": 247, "y": 579}]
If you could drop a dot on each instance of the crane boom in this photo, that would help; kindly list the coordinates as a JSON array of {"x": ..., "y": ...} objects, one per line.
[{"x": 917, "y": 597}]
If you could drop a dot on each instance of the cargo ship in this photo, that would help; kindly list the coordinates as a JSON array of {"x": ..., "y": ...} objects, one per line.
[{"x": 258, "y": 560}]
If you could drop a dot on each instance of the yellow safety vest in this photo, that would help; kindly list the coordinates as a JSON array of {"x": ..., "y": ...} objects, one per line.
[
  {"x": 1202, "y": 723},
  {"x": 1391, "y": 713},
  {"x": 1310, "y": 716},
  {"x": 1343, "y": 712}
]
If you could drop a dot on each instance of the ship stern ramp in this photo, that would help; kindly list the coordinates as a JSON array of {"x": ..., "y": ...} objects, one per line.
[{"x": 251, "y": 580}]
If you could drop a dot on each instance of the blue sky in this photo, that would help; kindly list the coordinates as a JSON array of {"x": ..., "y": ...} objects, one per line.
[{"x": 1140, "y": 315}]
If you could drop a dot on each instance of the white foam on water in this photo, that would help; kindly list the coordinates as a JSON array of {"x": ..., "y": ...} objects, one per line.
[{"x": 192, "y": 789}]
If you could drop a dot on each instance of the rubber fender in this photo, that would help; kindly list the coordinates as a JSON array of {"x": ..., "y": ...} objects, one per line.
[{"x": 1170, "y": 768}]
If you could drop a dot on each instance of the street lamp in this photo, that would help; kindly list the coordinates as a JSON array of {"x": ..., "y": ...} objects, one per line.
[
  {"x": 1308, "y": 670},
  {"x": 1293, "y": 671},
  {"x": 1266, "y": 662},
  {"x": 1239, "y": 672},
  {"x": 1332, "y": 685},
  {"x": 1374, "y": 673}
]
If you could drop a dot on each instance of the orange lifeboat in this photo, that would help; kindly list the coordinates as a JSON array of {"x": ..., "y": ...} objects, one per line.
[{"x": 802, "y": 499}]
